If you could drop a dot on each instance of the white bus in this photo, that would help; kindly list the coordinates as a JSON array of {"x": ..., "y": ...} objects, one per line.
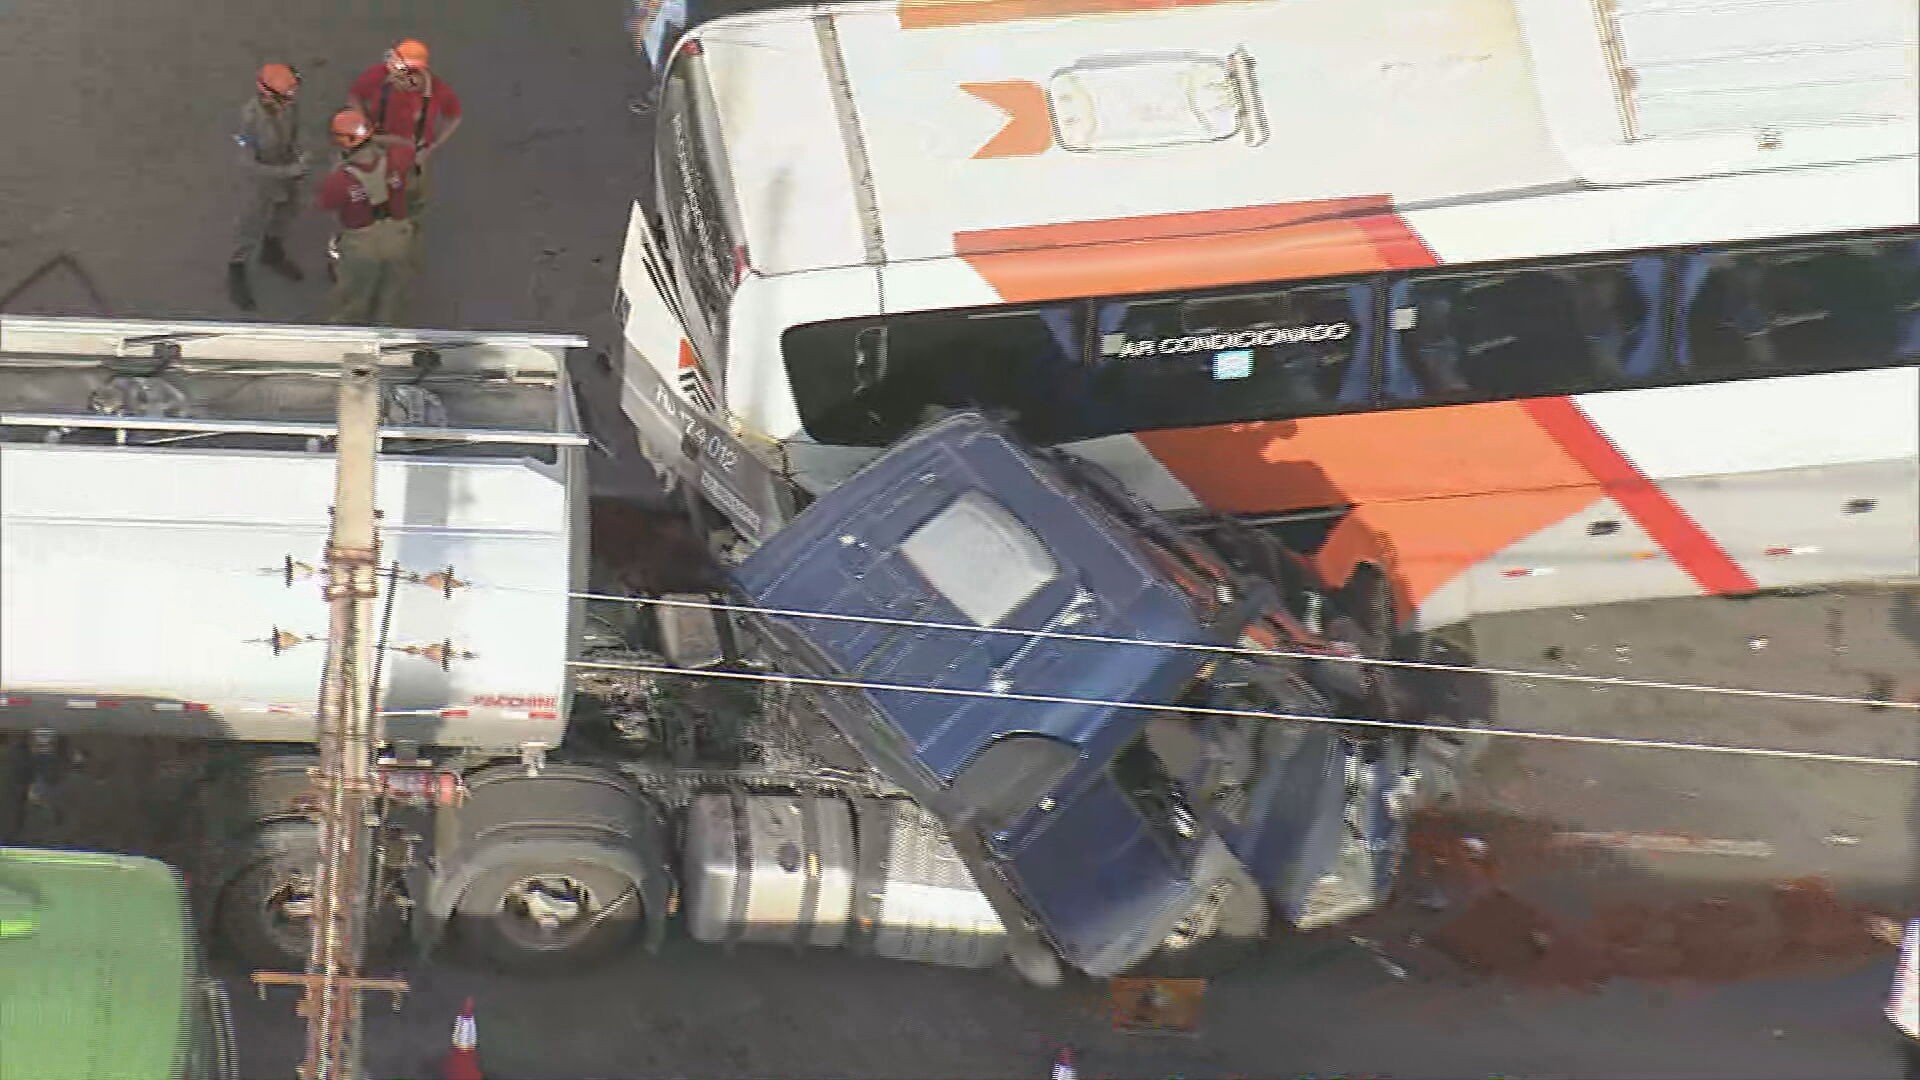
[{"x": 1491, "y": 304}]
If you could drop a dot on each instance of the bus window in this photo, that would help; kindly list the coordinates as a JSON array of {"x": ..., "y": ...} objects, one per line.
[
  {"x": 1789, "y": 311},
  {"x": 866, "y": 382},
  {"x": 1229, "y": 358},
  {"x": 1527, "y": 332},
  {"x": 702, "y": 246},
  {"x": 1903, "y": 261}
]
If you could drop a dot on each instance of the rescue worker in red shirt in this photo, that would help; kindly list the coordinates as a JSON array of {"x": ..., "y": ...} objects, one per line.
[
  {"x": 408, "y": 106},
  {"x": 368, "y": 190}
]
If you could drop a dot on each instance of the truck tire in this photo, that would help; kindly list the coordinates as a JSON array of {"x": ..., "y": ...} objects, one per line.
[
  {"x": 264, "y": 913},
  {"x": 534, "y": 915},
  {"x": 554, "y": 872}
]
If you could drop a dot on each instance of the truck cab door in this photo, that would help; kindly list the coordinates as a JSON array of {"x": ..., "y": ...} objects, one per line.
[{"x": 1107, "y": 871}]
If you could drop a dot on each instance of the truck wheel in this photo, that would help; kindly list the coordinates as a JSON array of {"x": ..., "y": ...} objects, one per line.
[
  {"x": 539, "y": 917},
  {"x": 266, "y": 911}
]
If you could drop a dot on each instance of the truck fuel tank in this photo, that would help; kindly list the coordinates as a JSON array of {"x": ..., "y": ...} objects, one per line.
[{"x": 769, "y": 869}]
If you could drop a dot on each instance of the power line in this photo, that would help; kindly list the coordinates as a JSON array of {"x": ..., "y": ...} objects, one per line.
[
  {"x": 1798, "y": 697},
  {"x": 1252, "y": 714}
]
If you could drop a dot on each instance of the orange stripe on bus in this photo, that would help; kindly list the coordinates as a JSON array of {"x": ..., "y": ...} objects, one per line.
[
  {"x": 1434, "y": 491},
  {"x": 1165, "y": 252},
  {"x": 933, "y": 14},
  {"x": 1452, "y": 452},
  {"x": 1029, "y": 127}
]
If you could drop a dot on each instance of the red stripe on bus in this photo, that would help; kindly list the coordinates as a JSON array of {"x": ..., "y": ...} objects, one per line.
[
  {"x": 1692, "y": 549},
  {"x": 933, "y": 14}
]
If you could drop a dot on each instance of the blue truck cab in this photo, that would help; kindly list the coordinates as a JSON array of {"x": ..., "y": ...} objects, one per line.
[{"x": 1123, "y": 831}]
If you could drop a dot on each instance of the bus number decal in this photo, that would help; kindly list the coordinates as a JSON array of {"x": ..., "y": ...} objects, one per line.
[{"x": 711, "y": 446}]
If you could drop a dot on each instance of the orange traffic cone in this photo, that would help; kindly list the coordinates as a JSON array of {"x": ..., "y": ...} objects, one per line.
[{"x": 463, "y": 1061}]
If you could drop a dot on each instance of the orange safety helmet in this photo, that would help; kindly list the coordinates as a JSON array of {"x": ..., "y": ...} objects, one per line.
[
  {"x": 350, "y": 129},
  {"x": 280, "y": 80},
  {"x": 408, "y": 55}
]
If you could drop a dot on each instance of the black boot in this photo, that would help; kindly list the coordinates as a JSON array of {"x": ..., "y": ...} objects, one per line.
[
  {"x": 237, "y": 287},
  {"x": 275, "y": 258}
]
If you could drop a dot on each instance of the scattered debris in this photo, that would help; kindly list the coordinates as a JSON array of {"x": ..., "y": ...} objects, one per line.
[
  {"x": 1156, "y": 1006},
  {"x": 1379, "y": 954},
  {"x": 1885, "y": 929},
  {"x": 1668, "y": 843},
  {"x": 1842, "y": 839},
  {"x": 1758, "y": 643}
]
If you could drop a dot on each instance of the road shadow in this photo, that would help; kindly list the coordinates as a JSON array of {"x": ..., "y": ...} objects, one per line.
[{"x": 187, "y": 801}]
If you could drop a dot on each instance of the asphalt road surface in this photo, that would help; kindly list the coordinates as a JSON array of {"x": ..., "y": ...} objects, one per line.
[{"x": 116, "y": 177}]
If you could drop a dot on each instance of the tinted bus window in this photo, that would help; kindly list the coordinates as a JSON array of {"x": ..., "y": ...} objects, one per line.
[
  {"x": 1192, "y": 361},
  {"x": 1526, "y": 332},
  {"x": 1151, "y": 363},
  {"x": 866, "y": 382},
  {"x": 1789, "y": 311}
]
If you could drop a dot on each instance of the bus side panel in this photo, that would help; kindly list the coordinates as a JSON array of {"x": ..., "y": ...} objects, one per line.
[
  {"x": 1599, "y": 554},
  {"x": 1817, "y": 526},
  {"x": 1800, "y": 480}
]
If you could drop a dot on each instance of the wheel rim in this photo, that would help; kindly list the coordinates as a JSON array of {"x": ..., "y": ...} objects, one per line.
[
  {"x": 547, "y": 912},
  {"x": 287, "y": 914}
]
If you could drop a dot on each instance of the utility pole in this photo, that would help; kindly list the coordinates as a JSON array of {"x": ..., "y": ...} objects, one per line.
[{"x": 347, "y": 782}]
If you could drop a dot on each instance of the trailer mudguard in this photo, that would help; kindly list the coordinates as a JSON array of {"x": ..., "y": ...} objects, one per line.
[{"x": 649, "y": 875}]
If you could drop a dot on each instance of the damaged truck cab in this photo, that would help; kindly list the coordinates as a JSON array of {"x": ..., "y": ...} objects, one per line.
[{"x": 1071, "y": 643}]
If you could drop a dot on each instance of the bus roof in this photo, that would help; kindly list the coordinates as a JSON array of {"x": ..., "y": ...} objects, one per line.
[
  {"x": 94, "y": 965},
  {"x": 974, "y": 121}
]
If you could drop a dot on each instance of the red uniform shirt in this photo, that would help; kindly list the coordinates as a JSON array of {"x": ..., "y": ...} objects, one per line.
[
  {"x": 341, "y": 192},
  {"x": 402, "y": 106}
]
